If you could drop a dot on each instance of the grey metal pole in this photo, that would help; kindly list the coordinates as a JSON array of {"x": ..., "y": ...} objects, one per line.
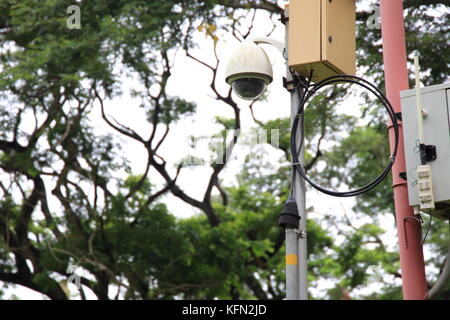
[
  {"x": 299, "y": 196},
  {"x": 292, "y": 289},
  {"x": 296, "y": 272}
]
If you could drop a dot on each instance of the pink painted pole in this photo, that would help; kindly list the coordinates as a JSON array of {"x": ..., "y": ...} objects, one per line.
[{"x": 396, "y": 79}]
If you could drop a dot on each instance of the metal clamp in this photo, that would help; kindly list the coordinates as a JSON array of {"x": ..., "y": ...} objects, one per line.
[
  {"x": 417, "y": 218},
  {"x": 403, "y": 176},
  {"x": 283, "y": 19},
  {"x": 291, "y": 84},
  {"x": 301, "y": 233}
]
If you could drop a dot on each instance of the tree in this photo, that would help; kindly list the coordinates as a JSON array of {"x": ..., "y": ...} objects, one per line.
[{"x": 121, "y": 234}]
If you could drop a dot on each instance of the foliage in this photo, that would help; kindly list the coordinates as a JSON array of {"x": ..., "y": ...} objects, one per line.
[{"x": 69, "y": 197}]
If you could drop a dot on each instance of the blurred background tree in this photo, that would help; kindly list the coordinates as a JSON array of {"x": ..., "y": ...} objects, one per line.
[{"x": 63, "y": 203}]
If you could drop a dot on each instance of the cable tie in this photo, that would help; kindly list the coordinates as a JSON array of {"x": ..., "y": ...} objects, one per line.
[{"x": 294, "y": 164}]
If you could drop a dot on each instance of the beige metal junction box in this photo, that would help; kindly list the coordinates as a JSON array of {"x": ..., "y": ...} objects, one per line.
[{"x": 322, "y": 37}]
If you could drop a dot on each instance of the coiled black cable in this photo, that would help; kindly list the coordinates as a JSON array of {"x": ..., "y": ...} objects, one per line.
[{"x": 309, "y": 91}]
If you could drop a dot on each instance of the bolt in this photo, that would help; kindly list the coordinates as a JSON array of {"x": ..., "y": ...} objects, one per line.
[
  {"x": 330, "y": 39},
  {"x": 301, "y": 233}
]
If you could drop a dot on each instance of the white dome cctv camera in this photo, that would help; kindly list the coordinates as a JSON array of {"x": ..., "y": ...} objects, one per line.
[{"x": 249, "y": 71}]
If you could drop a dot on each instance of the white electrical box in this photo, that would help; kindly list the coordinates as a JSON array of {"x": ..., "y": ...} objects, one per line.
[
  {"x": 436, "y": 128},
  {"x": 425, "y": 183}
]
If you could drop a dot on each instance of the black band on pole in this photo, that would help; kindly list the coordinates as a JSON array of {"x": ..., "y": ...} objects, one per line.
[{"x": 289, "y": 217}]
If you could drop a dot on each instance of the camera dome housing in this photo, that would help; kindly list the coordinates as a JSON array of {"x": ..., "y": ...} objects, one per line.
[{"x": 249, "y": 71}]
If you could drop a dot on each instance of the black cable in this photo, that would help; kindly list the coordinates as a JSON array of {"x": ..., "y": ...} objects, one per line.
[
  {"x": 304, "y": 84},
  {"x": 304, "y": 98},
  {"x": 428, "y": 230}
]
